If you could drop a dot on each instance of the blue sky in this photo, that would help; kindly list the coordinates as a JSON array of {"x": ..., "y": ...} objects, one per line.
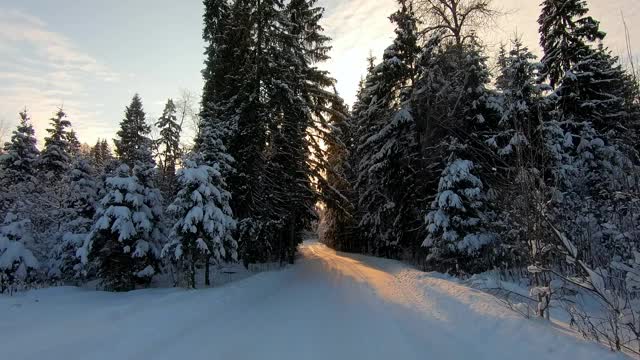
[{"x": 91, "y": 56}]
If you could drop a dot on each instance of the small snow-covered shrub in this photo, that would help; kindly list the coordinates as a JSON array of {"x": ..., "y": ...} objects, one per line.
[{"x": 17, "y": 262}]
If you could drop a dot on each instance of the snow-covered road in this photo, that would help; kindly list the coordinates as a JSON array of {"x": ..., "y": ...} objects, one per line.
[{"x": 328, "y": 306}]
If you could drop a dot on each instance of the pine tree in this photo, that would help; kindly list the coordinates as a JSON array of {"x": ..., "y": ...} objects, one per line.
[
  {"x": 519, "y": 145},
  {"x": 56, "y": 157},
  {"x": 565, "y": 34},
  {"x": 74, "y": 144},
  {"x": 229, "y": 107},
  {"x": 262, "y": 93},
  {"x": 387, "y": 182},
  {"x": 18, "y": 163},
  {"x": 169, "y": 146},
  {"x": 205, "y": 219},
  {"x": 101, "y": 155},
  {"x": 339, "y": 218},
  {"x": 593, "y": 90},
  {"x": 147, "y": 176},
  {"x": 590, "y": 83},
  {"x": 118, "y": 242},
  {"x": 216, "y": 18},
  {"x": 453, "y": 126},
  {"x": 133, "y": 143},
  {"x": 79, "y": 209}
]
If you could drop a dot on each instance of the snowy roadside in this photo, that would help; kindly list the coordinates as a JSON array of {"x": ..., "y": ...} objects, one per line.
[
  {"x": 328, "y": 305},
  {"x": 450, "y": 299}
]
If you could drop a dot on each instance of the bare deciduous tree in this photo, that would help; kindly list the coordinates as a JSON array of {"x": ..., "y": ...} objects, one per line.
[
  {"x": 187, "y": 107},
  {"x": 457, "y": 19},
  {"x": 4, "y": 130},
  {"x": 630, "y": 58}
]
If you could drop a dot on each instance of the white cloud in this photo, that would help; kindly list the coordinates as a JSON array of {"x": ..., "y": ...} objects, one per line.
[
  {"x": 43, "y": 69},
  {"x": 357, "y": 27}
]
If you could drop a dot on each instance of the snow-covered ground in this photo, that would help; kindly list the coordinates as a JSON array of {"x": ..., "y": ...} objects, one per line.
[{"x": 327, "y": 306}]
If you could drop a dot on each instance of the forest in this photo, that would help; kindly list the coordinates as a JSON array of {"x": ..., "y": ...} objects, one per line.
[{"x": 453, "y": 159}]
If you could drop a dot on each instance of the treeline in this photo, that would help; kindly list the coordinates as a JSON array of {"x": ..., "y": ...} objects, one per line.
[
  {"x": 244, "y": 191},
  {"x": 463, "y": 169},
  {"x": 75, "y": 213}
]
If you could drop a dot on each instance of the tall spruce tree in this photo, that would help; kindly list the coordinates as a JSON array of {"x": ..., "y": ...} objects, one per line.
[
  {"x": 339, "y": 219},
  {"x": 262, "y": 94},
  {"x": 519, "y": 144},
  {"x": 453, "y": 125},
  {"x": 101, "y": 155},
  {"x": 74, "y": 144},
  {"x": 565, "y": 34},
  {"x": 593, "y": 90},
  {"x": 387, "y": 173},
  {"x": 591, "y": 84},
  {"x": 78, "y": 211},
  {"x": 56, "y": 155},
  {"x": 133, "y": 143},
  {"x": 169, "y": 146},
  {"x": 18, "y": 163}
]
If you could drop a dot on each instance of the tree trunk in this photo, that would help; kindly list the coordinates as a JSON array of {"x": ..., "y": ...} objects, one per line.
[
  {"x": 292, "y": 241},
  {"x": 207, "y": 281},
  {"x": 192, "y": 273}
]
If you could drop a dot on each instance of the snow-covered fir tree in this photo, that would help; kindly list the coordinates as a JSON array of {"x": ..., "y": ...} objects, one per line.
[
  {"x": 44, "y": 205},
  {"x": 260, "y": 108},
  {"x": 56, "y": 156},
  {"x": 458, "y": 223},
  {"x": 202, "y": 232},
  {"x": 74, "y": 144},
  {"x": 118, "y": 244},
  {"x": 565, "y": 32},
  {"x": 79, "y": 208},
  {"x": 18, "y": 162},
  {"x": 134, "y": 148},
  {"x": 590, "y": 84},
  {"x": 101, "y": 154},
  {"x": 156, "y": 236},
  {"x": 593, "y": 90},
  {"x": 339, "y": 226},
  {"x": 388, "y": 179},
  {"x": 452, "y": 127},
  {"x": 519, "y": 147},
  {"x": 133, "y": 140},
  {"x": 168, "y": 146},
  {"x": 17, "y": 263}
]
